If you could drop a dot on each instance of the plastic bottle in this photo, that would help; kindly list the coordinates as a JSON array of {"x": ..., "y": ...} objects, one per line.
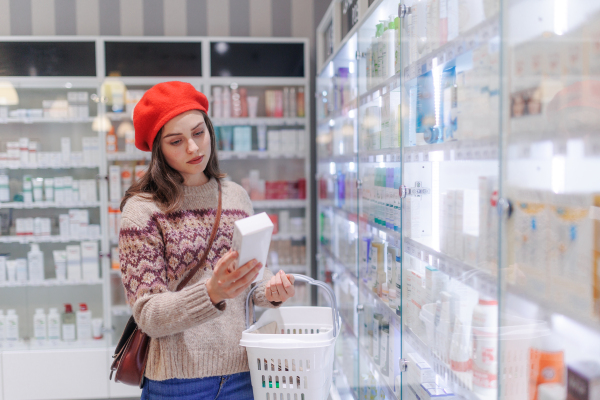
[
  {"x": 112, "y": 145},
  {"x": 35, "y": 261},
  {"x": 53, "y": 324},
  {"x": 226, "y": 102},
  {"x": 12, "y": 325},
  {"x": 372, "y": 276},
  {"x": 40, "y": 323},
  {"x": 385, "y": 293},
  {"x": 391, "y": 275},
  {"x": 384, "y": 352},
  {"x": 2, "y": 326},
  {"x": 485, "y": 348},
  {"x": 4, "y": 186},
  {"x": 377, "y": 266},
  {"x": 460, "y": 352},
  {"x": 300, "y": 102},
  {"x": 84, "y": 322},
  {"x": 383, "y": 49},
  {"x": 21, "y": 264},
  {"x": 376, "y": 349},
  {"x": 547, "y": 362},
  {"x": 126, "y": 177},
  {"x": 69, "y": 334},
  {"x": 390, "y": 40},
  {"x": 27, "y": 189},
  {"x": 375, "y": 59}
]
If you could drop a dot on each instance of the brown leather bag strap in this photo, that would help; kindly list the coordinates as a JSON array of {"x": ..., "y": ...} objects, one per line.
[{"x": 208, "y": 247}]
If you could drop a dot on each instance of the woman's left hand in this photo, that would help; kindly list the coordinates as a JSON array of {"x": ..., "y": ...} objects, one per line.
[{"x": 280, "y": 288}]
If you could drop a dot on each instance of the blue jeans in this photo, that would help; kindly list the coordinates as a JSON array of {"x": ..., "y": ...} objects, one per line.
[{"x": 226, "y": 387}]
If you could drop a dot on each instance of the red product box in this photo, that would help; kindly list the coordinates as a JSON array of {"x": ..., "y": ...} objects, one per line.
[
  {"x": 275, "y": 220},
  {"x": 302, "y": 188}
]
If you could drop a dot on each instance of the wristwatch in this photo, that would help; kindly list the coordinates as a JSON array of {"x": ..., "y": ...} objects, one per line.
[{"x": 221, "y": 305}]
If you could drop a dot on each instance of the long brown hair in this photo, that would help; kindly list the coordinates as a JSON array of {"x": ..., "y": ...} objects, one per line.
[{"x": 162, "y": 184}]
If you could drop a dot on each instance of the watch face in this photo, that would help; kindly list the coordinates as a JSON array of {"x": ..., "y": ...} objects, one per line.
[{"x": 221, "y": 305}]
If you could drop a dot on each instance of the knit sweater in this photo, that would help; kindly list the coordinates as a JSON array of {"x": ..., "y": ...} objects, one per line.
[{"x": 190, "y": 337}]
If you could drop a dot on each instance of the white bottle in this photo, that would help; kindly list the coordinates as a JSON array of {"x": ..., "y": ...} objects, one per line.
[
  {"x": 226, "y": 102},
  {"x": 53, "y": 324},
  {"x": 35, "y": 260},
  {"x": 4, "y": 187},
  {"x": 3, "y": 260},
  {"x": 84, "y": 322},
  {"x": 2, "y": 327},
  {"x": 12, "y": 325},
  {"x": 21, "y": 269},
  {"x": 389, "y": 38},
  {"x": 40, "y": 323},
  {"x": 485, "y": 348}
]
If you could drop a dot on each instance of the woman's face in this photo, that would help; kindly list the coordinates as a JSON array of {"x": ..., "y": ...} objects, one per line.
[{"x": 185, "y": 143}]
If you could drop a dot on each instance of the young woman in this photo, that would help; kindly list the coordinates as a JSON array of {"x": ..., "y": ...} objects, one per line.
[{"x": 167, "y": 218}]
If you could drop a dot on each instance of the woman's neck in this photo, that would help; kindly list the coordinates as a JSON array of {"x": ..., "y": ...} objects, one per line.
[{"x": 195, "y": 180}]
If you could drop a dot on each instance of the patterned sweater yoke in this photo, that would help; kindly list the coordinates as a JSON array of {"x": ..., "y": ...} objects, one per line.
[{"x": 191, "y": 338}]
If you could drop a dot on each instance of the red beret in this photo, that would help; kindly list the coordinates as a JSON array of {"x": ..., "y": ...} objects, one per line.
[{"x": 160, "y": 104}]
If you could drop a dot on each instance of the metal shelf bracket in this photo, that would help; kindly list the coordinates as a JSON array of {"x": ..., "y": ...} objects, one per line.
[{"x": 416, "y": 191}]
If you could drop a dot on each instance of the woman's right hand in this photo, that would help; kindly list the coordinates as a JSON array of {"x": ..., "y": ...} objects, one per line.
[{"x": 226, "y": 283}]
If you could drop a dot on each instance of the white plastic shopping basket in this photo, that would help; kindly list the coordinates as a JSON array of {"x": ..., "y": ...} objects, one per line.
[{"x": 291, "y": 349}]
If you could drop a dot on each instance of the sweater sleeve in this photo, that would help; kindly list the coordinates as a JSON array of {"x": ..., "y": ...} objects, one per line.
[{"x": 157, "y": 311}]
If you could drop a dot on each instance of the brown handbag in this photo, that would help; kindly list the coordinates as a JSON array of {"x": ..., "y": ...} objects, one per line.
[{"x": 131, "y": 354}]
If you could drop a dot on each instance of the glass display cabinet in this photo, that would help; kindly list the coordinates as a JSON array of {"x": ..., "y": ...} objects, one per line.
[{"x": 457, "y": 205}]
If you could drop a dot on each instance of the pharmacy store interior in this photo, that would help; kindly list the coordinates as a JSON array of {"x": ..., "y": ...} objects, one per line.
[{"x": 432, "y": 161}]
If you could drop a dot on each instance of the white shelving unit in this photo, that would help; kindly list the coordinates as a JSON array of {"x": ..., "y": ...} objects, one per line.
[{"x": 106, "y": 293}]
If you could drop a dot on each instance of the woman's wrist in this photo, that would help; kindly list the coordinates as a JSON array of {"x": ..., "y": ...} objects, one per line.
[{"x": 211, "y": 295}]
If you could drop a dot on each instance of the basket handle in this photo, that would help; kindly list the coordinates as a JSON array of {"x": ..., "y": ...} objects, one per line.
[{"x": 306, "y": 279}]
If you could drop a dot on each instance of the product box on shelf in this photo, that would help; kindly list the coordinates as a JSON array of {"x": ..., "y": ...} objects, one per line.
[
  {"x": 583, "y": 380},
  {"x": 553, "y": 249}
]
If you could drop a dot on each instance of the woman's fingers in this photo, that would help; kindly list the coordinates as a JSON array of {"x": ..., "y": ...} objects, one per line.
[
  {"x": 271, "y": 292},
  {"x": 250, "y": 267},
  {"x": 225, "y": 263},
  {"x": 287, "y": 285},
  {"x": 247, "y": 279},
  {"x": 279, "y": 284}
]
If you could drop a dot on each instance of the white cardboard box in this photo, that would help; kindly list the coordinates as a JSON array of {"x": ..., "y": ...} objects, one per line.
[{"x": 251, "y": 239}]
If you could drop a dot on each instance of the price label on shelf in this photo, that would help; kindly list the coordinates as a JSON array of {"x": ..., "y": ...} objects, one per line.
[
  {"x": 443, "y": 266},
  {"x": 560, "y": 148},
  {"x": 450, "y": 269},
  {"x": 486, "y": 153},
  {"x": 494, "y": 153},
  {"x": 472, "y": 42},
  {"x": 524, "y": 151},
  {"x": 459, "y": 155},
  {"x": 450, "y": 53},
  {"x": 448, "y": 154},
  {"x": 441, "y": 58},
  {"x": 468, "y": 153}
]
